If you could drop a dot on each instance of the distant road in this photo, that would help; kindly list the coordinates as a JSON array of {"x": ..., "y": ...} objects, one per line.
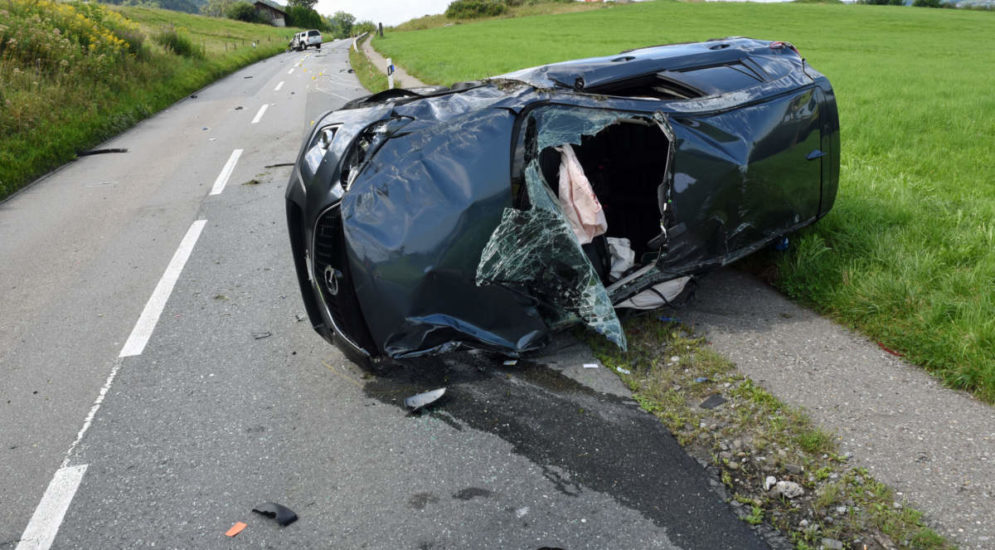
[{"x": 158, "y": 381}]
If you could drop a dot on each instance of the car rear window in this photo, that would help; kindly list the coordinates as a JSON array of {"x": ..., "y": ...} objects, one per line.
[{"x": 313, "y": 33}]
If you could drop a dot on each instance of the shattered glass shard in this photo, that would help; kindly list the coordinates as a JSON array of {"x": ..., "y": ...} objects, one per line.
[{"x": 536, "y": 251}]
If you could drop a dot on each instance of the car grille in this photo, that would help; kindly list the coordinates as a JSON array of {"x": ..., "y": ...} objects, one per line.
[{"x": 343, "y": 305}]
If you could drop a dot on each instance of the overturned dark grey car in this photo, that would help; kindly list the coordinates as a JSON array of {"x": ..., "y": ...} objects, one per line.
[{"x": 426, "y": 220}]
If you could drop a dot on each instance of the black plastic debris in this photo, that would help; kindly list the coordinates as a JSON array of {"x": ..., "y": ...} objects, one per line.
[
  {"x": 422, "y": 400},
  {"x": 713, "y": 401},
  {"x": 247, "y": 77},
  {"x": 283, "y": 515},
  {"x": 193, "y": 96},
  {"x": 262, "y": 334},
  {"x": 239, "y": 108},
  {"x": 279, "y": 164},
  {"x": 100, "y": 152}
]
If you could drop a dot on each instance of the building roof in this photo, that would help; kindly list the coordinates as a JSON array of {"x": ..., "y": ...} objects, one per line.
[{"x": 272, "y": 5}]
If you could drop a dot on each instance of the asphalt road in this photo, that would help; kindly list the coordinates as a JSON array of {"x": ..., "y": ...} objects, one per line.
[{"x": 128, "y": 421}]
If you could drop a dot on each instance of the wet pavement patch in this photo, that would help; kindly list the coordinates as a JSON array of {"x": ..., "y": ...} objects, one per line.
[{"x": 581, "y": 439}]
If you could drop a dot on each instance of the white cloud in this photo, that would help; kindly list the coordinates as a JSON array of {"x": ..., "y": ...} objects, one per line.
[{"x": 388, "y": 12}]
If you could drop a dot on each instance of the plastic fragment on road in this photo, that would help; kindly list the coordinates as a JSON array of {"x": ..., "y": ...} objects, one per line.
[
  {"x": 101, "y": 152},
  {"x": 590, "y": 365},
  {"x": 284, "y": 516},
  {"x": 262, "y": 334},
  {"x": 889, "y": 350},
  {"x": 510, "y": 362},
  {"x": 623, "y": 371},
  {"x": 422, "y": 400},
  {"x": 235, "y": 529},
  {"x": 577, "y": 199},
  {"x": 701, "y": 379},
  {"x": 712, "y": 401}
]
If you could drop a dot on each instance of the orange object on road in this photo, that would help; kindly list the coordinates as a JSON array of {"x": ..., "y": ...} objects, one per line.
[{"x": 235, "y": 529}]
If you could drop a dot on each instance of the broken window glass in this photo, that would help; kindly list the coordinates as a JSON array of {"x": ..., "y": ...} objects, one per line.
[{"x": 535, "y": 250}]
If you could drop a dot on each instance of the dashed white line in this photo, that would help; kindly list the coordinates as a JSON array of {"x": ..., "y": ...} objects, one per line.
[
  {"x": 278, "y": 86},
  {"x": 291, "y": 71},
  {"x": 41, "y": 530},
  {"x": 219, "y": 184},
  {"x": 157, "y": 302},
  {"x": 259, "y": 115}
]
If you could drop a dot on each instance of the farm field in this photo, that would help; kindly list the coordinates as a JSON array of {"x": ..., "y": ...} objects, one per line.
[
  {"x": 73, "y": 74},
  {"x": 908, "y": 254}
]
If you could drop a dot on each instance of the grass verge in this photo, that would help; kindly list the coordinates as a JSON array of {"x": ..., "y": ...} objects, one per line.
[
  {"x": 750, "y": 436},
  {"x": 369, "y": 76},
  {"x": 907, "y": 256},
  {"x": 74, "y": 74}
]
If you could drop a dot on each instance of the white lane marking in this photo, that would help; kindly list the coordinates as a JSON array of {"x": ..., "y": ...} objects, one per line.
[
  {"x": 93, "y": 410},
  {"x": 157, "y": 302},
  {"x": 278, "y": 86},
  {"x": 259, "y": 115},
  {"x": 222, "y": 180},
  {"x": 45, "y": 522},
  {"x": 291, "y": 71}
]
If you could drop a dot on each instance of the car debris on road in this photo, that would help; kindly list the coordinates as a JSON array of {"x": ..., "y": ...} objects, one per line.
[{"x": 490, "y": 214}]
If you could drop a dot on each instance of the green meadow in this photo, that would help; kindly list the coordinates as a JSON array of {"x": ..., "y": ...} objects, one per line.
[
  {"x": 73, "y": 74},
  {"x": 907, "y": 256}
]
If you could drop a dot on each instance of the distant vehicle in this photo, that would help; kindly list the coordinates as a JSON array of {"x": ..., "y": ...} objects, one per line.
[
  {"x": 489, "y": 214},
  {"x": 302, "y": 40},
  {"x": 310, "y": 38}
]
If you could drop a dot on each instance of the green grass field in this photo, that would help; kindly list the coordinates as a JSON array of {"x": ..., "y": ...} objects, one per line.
[
  {"x": 72, "y": 75},
  {"x": 908, "y": 254}
]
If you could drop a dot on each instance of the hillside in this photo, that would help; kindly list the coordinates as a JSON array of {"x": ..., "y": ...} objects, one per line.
[
  {"x": 908, "y": 253},
  {"x": 188, "y": 6},
  {"x": 74, "y": 74}
]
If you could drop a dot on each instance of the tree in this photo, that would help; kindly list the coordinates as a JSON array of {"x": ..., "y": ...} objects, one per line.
[
  {"x": 341, "y": 24},
  {"x": 364, "y": 26},
  {"x": 216, "y": 8},
  {"x": 305, "y": 18},
  {"x": 309, "y": 4},
  {"x": 243, "y": 11}
]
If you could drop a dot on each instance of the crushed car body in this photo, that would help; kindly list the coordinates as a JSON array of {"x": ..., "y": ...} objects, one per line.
[{"x": 489, "y": 214}]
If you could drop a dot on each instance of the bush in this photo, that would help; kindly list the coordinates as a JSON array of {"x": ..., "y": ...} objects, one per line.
[
  {"x": 178, "y": 43},
  {"x": 243, "y": 11},
  {"x": 928, "y": 3},
  {"x": 471, "y": 9},
  {"x": 305, "y": 18}
]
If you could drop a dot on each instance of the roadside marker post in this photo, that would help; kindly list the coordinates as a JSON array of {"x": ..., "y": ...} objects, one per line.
[{"x": 390, "y": 74}]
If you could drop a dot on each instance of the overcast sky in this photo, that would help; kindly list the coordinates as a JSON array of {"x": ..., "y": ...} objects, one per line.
[{"x": 388, "y": 12}]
